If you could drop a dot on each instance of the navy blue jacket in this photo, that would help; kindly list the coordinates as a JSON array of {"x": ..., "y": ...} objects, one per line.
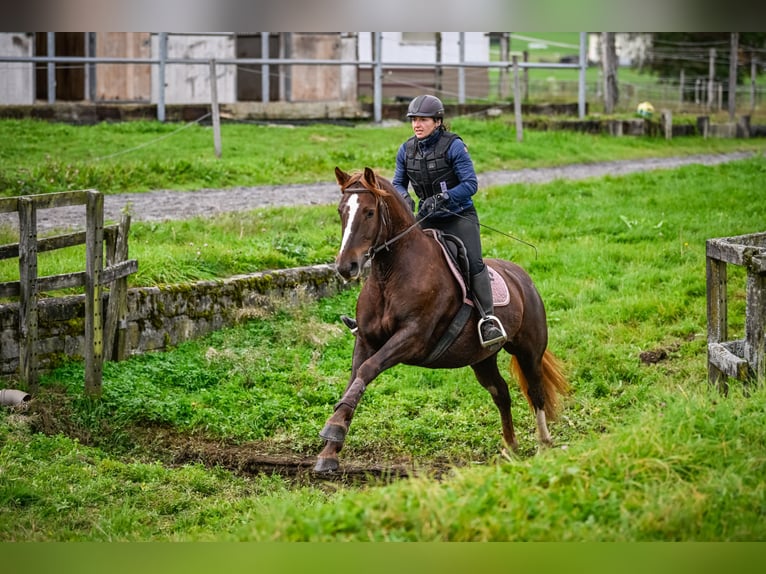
[{"x": 460, "y": 196}]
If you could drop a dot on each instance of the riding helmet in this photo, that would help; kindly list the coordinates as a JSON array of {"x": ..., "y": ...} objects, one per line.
[{"x": 426, "y": 107}]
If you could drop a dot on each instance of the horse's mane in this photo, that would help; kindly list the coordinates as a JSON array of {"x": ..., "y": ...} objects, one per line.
[{"x": 383, "y": 190}]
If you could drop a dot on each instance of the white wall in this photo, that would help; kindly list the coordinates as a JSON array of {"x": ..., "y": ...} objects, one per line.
[
  {"x": 395, "y": 49},
  {"x": 190, "y": 84},
  {"x": 17, "y": 80}
]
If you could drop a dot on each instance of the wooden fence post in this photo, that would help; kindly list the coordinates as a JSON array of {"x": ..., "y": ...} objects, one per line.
[
  {"x": 755, "y": 322},
  {"x": 94, "y": 250},
  {"x": 717, "y": 316},
  {"x": 114, "y": 330},
  {"x": 28, "y": 293}
]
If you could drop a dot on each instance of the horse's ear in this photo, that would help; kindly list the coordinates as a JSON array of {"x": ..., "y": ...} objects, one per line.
[
  {"x": 370, "y": 177},
  {"x": 341, "y": 176}
]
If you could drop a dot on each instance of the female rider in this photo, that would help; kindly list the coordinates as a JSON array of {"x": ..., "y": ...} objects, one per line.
[{"x": 436, "y": 163}]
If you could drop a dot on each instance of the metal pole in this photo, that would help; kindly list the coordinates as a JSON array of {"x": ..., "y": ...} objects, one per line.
[
  {"x": 461, "y": 71},
  {"x": 377, "y": 73},
  {"x": 265, "y": 67},
  {"x": 583, "y": 69},
  {"x": 161, "y": 77},
  {"x": 51, "y": 68}
]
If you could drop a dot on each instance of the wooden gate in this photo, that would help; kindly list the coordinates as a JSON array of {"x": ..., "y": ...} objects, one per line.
[
  {"x": 743, "y": 359},
  {"x": 98, "y": 343}
]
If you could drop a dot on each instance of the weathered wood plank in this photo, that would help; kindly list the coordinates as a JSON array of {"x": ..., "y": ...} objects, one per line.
[
  {"x": 8, "y": 204},
  {"x": 727, "y": 362},
  {"x": 71, "y": 280},
  {"x": 744, "y": 250},
  {"x": 9, "y": 289},
  {"x": 118, "y": 271},
  {"x": 56, "y": 242},
  {"x": 61, "y": 199}
]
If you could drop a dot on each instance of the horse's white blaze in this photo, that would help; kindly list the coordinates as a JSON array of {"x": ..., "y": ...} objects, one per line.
[{"x": 352, "y": 206}]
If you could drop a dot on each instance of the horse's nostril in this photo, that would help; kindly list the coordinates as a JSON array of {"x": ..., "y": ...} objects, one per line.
[{"x": 353, "y": 269}]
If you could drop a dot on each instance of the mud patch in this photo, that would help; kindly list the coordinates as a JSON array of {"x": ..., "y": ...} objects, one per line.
[
  {"x": 51, "y": 413},
  {"x": 660, "y": 354}
]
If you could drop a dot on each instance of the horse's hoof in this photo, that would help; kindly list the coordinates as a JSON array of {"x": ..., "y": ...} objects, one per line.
[
  {"x": 326, "y": 465},
  {"x": 333, "y": 433}
]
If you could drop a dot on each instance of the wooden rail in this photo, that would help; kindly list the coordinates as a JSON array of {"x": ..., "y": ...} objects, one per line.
[
  {"x": 743, "y": 359},
  {"x": 30, "y": 285}
]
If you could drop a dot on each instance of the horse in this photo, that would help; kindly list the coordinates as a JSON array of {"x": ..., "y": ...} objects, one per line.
[{"x": 407, "y": 303}]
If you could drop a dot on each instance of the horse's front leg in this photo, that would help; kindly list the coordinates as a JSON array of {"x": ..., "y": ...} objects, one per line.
[{"x": 363, "y": 371}]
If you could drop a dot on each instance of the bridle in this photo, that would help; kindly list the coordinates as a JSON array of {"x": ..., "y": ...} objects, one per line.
[{"x": 384, "y": 216}]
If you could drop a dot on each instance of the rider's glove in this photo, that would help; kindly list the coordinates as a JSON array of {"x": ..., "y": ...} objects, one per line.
[{"x": 433, "y": 203}]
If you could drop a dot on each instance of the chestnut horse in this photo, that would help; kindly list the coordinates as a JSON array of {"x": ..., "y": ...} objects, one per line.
[{"x": 409, "y": 301}]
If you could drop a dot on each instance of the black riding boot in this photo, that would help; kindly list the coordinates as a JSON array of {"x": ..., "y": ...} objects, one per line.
[{"x": 491, "y": 330}]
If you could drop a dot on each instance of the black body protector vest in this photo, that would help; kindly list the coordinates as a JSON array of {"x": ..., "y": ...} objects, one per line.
[{"x": 427, "y": 172}]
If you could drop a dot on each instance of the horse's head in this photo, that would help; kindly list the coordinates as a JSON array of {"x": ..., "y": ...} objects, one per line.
[{"x": 369, "y": 210}]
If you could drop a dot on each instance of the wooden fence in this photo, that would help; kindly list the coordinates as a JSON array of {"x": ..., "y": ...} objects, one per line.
[
  {"x": 743, "y": 359},
  {"x": 100, "y": 335}
]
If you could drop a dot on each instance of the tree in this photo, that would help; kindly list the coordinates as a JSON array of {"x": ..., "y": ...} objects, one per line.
[{"x": 609, "y": 59}]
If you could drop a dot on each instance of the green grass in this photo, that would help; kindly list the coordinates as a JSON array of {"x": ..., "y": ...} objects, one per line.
[
  {"x": 231, "y": 244},
  {"x": 644, "y": 452},
  {"x": 57, "y": 157}
]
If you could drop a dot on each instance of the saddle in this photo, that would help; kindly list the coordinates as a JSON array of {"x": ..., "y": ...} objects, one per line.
[{"x": 456, "y": 256}]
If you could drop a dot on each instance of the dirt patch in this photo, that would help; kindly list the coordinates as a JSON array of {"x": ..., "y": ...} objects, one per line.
[
  {"x": 654, "y": 356},
  {"x": 50, "y": 412}
]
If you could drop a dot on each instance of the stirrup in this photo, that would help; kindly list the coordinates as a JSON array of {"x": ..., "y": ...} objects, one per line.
[
  {"x": 350, "y": 323},
  {"x": 501, "y": 339}
]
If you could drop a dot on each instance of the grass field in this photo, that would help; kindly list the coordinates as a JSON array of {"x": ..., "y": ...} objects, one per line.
[{"x": 644, "y": 450}]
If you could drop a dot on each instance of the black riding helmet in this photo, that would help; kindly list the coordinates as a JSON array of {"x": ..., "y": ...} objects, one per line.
[{"x": 426, "y": 107}]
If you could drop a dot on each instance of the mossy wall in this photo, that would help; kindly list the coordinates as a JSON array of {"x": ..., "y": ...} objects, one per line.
[{"x": 158, "y": 317}]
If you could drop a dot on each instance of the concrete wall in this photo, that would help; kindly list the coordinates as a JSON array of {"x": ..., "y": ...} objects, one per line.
[
  {"x": 18, "y": 79},
  {"x": 159, "y": 317}
]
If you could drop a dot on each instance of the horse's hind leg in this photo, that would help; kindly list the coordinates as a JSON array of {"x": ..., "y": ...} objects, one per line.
[
  {"x": 531, "y": 381},
  {"x": 490, "y": 378}
]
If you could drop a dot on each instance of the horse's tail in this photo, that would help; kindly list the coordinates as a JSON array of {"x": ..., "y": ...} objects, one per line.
[{"x": 553, "y": 383}]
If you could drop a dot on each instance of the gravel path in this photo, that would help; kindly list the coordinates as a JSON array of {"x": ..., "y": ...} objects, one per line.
[{"x": 165, "y": 205}]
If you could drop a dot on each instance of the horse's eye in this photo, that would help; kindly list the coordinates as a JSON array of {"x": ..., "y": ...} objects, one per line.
[{"x": 370, "y": 213}]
